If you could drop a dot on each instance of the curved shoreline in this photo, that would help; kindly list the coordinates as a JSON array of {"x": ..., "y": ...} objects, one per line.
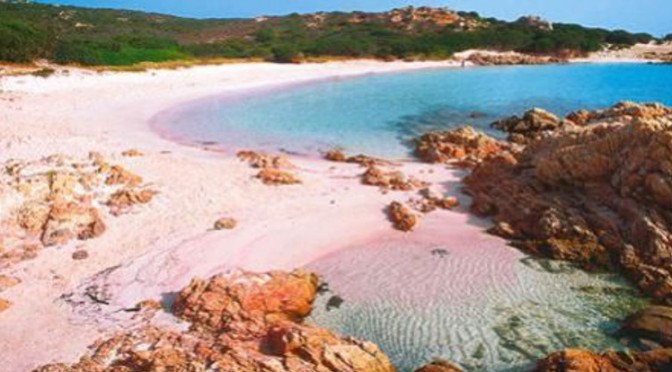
[
  {"x": 109, "y": 113},
  {"x": 85, "y": 112}
]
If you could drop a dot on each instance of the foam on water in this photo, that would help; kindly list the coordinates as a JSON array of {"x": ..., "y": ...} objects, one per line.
[
  {"x": 378, "y": 113},
  {"x": 468, "y": 298}
]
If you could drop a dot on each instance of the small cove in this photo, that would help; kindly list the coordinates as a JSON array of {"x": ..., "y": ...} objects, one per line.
[{"x": 451, "y": 291}]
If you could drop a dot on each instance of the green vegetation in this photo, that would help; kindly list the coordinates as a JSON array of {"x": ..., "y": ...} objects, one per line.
[{"x": 120, "y": 38}]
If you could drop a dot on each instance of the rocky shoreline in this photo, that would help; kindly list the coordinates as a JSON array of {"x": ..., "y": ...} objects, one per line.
[
  {"x": 604, "y": 172},
  {"x": 595, "y": 189},
  {"x": 591, "y": 188}
]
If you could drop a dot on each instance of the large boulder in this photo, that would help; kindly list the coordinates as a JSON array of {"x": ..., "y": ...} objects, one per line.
[{"x": 246, "y": 301}]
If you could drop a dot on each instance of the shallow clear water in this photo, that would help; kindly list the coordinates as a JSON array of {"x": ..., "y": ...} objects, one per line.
[
  {"x": 482, "y": 305},
  {"x": 376, "y": 113}
]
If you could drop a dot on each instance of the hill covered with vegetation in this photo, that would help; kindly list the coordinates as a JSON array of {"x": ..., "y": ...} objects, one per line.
[{"x": 117, "y": 37}]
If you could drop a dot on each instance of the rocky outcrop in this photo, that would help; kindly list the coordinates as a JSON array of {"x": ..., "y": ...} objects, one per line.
[
  {"x": 276, "y": 177},
  {"x": 124, "y": 199},
  {"x": 337, "y": 155},
  {"x": 599, "y": 195},
  {"x": 624, "y": 112},
  {"x": 69, "y": 220},
  {"x": 394, "y": 180},
  {"x": 575, "y": 360},
  {"x": 402, "y": 217},
  {"x": 57, "y": 199},
  {"x": 653, "y": 324},
  {"x": 431, "y": 200},
  {"x": 261, "y": 160},
  {"x": 534, "y": 125},
  {"x": 465, "y": 146},
  {"x": 246, "y": 303},
  {"x": 240, "y": 322}
]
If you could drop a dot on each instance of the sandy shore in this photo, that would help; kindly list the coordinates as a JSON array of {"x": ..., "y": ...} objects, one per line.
[{"x": 160, "y": 247}]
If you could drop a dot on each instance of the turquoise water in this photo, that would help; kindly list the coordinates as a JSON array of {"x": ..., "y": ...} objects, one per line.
[{"x": 376, "y": 114}]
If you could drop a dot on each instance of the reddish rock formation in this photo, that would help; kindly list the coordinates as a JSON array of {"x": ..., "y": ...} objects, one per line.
[
  {"x": 402, "y": 217},
  {"x": 241, "y": 322},
  {"x": 653, "y": 324},
  {"x": 4, "y": 305},
  {"x": 394, "y": 180},
  {"x": 621, "y": 112},
  {"x": 247, "y": 305},
  {"x": 534, "y": 125},
  {"x": 463, "y": 145},
  {"x": 69, "y": 220},
  {"x": 275, "y": 177},
  {"x": 118, "y": 175},
  {"x": 431, "y": 200},
  {"x": 124, "y": 199},
  {"x": 337, "y": 155},
  {"x": 54, "y": 200},
  {"x": 600, "y": 195},
  {"x": 575, "y": 360},
  {"x": 226, "y": 224},
  {"x": 261, "y": 160}
]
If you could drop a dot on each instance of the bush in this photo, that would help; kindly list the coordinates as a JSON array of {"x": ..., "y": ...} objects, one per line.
[
  {"x": 20, "y": 42},
  {"x": 285, "y": 54}
]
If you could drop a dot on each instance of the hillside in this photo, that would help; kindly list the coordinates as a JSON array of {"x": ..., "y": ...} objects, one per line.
[{"x": 118, "y": 37}]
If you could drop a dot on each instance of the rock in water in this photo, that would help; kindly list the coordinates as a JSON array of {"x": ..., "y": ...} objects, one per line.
[{"x": 534, "y": 125}]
